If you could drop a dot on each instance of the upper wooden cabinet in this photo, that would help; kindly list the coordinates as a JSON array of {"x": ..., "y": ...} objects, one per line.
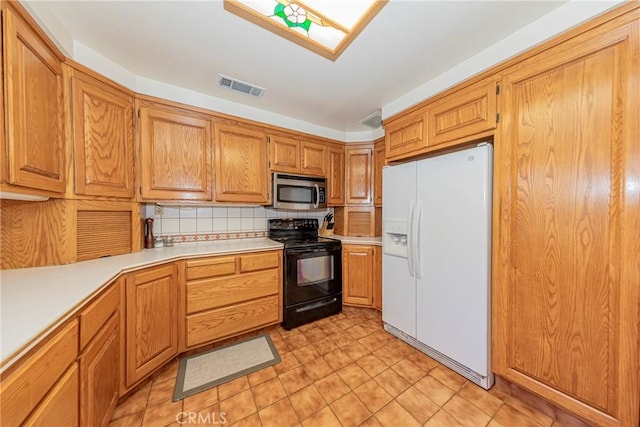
[
  {"x": 462, "y": 114},
  {"x": 566, "y": 248},
  {"x": 285, "y": 154},
  {"x": 294, "y": 156},
  {"x": 378, "y": 164},
  {"x": 151, "y": 322},
  {"x": 175, "y": 153},
  {"x": 359, "y": 173},
  {"x": 103, "y": 138},
  {"x": 33, "y": 98},
  {"x": 313, "y": 159},
  {"x": 335, "y": 180},
  {"x": 357, "y": 274},
  {"x": 406, "y": 135},
  {"x": 241, "y": 165}
]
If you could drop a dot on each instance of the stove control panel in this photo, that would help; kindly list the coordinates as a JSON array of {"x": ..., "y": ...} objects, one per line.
[{"x": 293, "y": 224}]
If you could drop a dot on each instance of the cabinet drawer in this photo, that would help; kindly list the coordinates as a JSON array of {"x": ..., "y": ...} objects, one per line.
[
  {"x": 221, "y": 323},
  {"x": 23, "y": 390},
  {"x": 93, "y": 317},
  {"x": 60, "y": 407},
  {"x": 212, "y": 293},
  {"x": 211, "y": 267},
  {"x": 260, "y": 261}
]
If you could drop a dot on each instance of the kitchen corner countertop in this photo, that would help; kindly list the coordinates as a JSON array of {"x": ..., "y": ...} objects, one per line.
[
  {"x": 349, "y": 240},
  {"x": 35, "y": 300}
]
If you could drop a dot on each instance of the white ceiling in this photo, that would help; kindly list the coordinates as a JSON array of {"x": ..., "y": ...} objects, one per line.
[{"x": 187, "y": 43}]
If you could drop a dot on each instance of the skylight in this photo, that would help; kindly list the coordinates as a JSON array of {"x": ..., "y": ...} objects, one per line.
[{"x": 325, "y": 27}]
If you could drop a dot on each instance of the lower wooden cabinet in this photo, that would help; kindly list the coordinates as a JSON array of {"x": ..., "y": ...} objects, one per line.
[
  {"x": 151, "y": 323},
  {"x": 60, "y": 405},
  {"x": 357, "y": 275},
  {"x": 377, "y": 277}
]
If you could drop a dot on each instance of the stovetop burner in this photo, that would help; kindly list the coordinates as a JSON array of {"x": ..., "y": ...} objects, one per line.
[{"x": 298, "y": 233}]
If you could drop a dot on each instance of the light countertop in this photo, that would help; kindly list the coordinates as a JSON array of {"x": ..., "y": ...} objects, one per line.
[
  {"x": 349, "y": 240},
  {"x": 33, "y": 301}
]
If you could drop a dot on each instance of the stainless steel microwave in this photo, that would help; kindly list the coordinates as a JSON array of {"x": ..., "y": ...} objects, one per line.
[{"x": 299, "y": 192}]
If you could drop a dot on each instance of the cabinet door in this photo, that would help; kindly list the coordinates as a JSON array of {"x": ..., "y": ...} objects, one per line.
[
  {"x": 60, "y": 406},
  {"x": 241, "y": 165},
  {"x": 406, "y": 136},
  {"x": 100, "y": 376},
  {"x": 175, "y": 154},
  {"x": 567, "y": 251},
  {"x": 377, "y": 277},
  {"x": 378, "y": 162},
  {"x": 34, "y": 104},
  {"x": 357, "y": 274},
  {"x": 103, "y": 139},
  {"x": 463, "y": 114},
  {"x": 335, "y": 180},
  {"x": 359, "y": 165},
  {"x": 285, "y": 154},
  {"x": 151, "y": 320},
  {"x": 313, "y": 159}
]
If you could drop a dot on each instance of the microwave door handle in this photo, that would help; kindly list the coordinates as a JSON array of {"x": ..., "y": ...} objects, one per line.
[{"x": 317, "y": 203}]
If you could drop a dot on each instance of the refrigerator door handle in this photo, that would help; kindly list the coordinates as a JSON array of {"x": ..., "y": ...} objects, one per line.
[
  {"x": 417, "y": 262},
  {"x": 410, "y": 239}
]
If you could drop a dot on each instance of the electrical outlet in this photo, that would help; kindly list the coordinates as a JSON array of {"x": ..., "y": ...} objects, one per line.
[{"x": 159, "y": 210}]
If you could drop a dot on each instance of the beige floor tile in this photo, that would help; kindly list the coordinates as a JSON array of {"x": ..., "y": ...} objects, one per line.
[
  {"x": 372, "y": 421},
  {"x": 481, "y": 398},
  {"x": 252, "y": 420},
  {"x": 371, "y": 365},
  {"x": 372, "y": 342},
  {"x": 317, "y": 368},
  {"x": 169, "y": 372},
  {"x": 409, "y": 370},
  {"x": 231, "y": 388},
  {"x": 442, "y": 419},
  {"x": 280, "y": 414},
  {"x": 322, "y": 418},
  {"x": 307, "y": 401},
  {"x": 372, "y": 395},
  {"x": 288, "y": 361},
  {"x": 388, "y": 355},
  {"x": 434, "y": 390},
  {"x": 261, "y": 376},
  {"x": 337, "y": 359},
  {"x": 238, "y": 406},
  {"x": 501, "y": 389},
  {"x": 357, "y": 332},
  {"x": 296, "y": 341},
  {"x": 540, "y": 417},
  {"x": 392, "y": 382},
  {"x": 355, "y": 350},
  {"x": 393, "y": 415},
  {"x": 341, "y": 339},
  {"x": 204, "y": 417},
  {"x": 314, "y": 334},
  {"x": 353, "y": 375},
  {"x": 494, "y": 423},
  {"x": 306, "y": 354},
  {"x": 332, "y": 387},
  {"x": 162, "y": 414},
  {"x": 417, "y": 404},
  {"x": 294, "y": 380},
  {"x": 130, "y": 420},
  {"x": 204, "y": 399},
  {"x": 422, "y": 361},
  {"x": 507, "y": 415},
  {"x": 465, "y": 412},
  {"x": 161, "y": 392},
  {"x": 134, "y": 403},
  {"x": 281, "y": 347},
  {"x": 268, "y": 392},
  {"x": 447, "y": 377},
  {"x": 349, "y": 410}
]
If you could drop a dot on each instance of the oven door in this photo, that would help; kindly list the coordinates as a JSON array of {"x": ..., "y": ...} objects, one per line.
[{"x": 312, "y": 273}]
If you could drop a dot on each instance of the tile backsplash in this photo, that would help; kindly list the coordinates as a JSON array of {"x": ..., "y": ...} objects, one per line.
[{"x": 202, "y": 223}]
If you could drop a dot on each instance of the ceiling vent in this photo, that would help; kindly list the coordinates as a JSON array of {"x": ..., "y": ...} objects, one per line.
[
  {"x": 240, "y": 86},
  {"x": 373, "y": 120}
]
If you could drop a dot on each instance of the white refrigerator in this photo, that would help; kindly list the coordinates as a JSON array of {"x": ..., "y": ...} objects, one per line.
[{"x": 436, "y": 264}]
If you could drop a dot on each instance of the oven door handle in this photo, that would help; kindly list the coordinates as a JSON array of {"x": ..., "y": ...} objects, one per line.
[
  {"x": 317, "y": 203},
  {"x": 316, "y": 305}
]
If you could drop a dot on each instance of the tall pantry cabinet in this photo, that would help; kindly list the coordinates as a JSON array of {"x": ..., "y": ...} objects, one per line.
[{"x": 567, "y": 220}]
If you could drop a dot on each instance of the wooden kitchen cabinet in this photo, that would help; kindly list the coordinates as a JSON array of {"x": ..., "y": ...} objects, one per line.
[
  {"x": 60, "y": 406},
  {"x": 102, "y": 138},
  {"x": 284, "y": 154},
  {"x": 378, "y": 164},
  {"x": 175, "y": 153},
  {"x": 34, "y": 150},
  {"x": 406, "y": 135},
  {"x": 151, "y": 323},
  {"x": 241, "y": 165},
  {"x": 335, "y": 178},
  {"x": 464, "y": 114},
  {"x": 357, "y": 275},
  {"x": 377, "y": 277},
  {"x": 228, "y": 295},
  {"x": 566, "y": 248},
  {"x": 313, "y": 159},
  {"x": 359, "y": 175}
]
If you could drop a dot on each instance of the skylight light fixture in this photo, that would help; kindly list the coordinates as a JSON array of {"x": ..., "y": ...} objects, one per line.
[{"x": 325, "y": 27}]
